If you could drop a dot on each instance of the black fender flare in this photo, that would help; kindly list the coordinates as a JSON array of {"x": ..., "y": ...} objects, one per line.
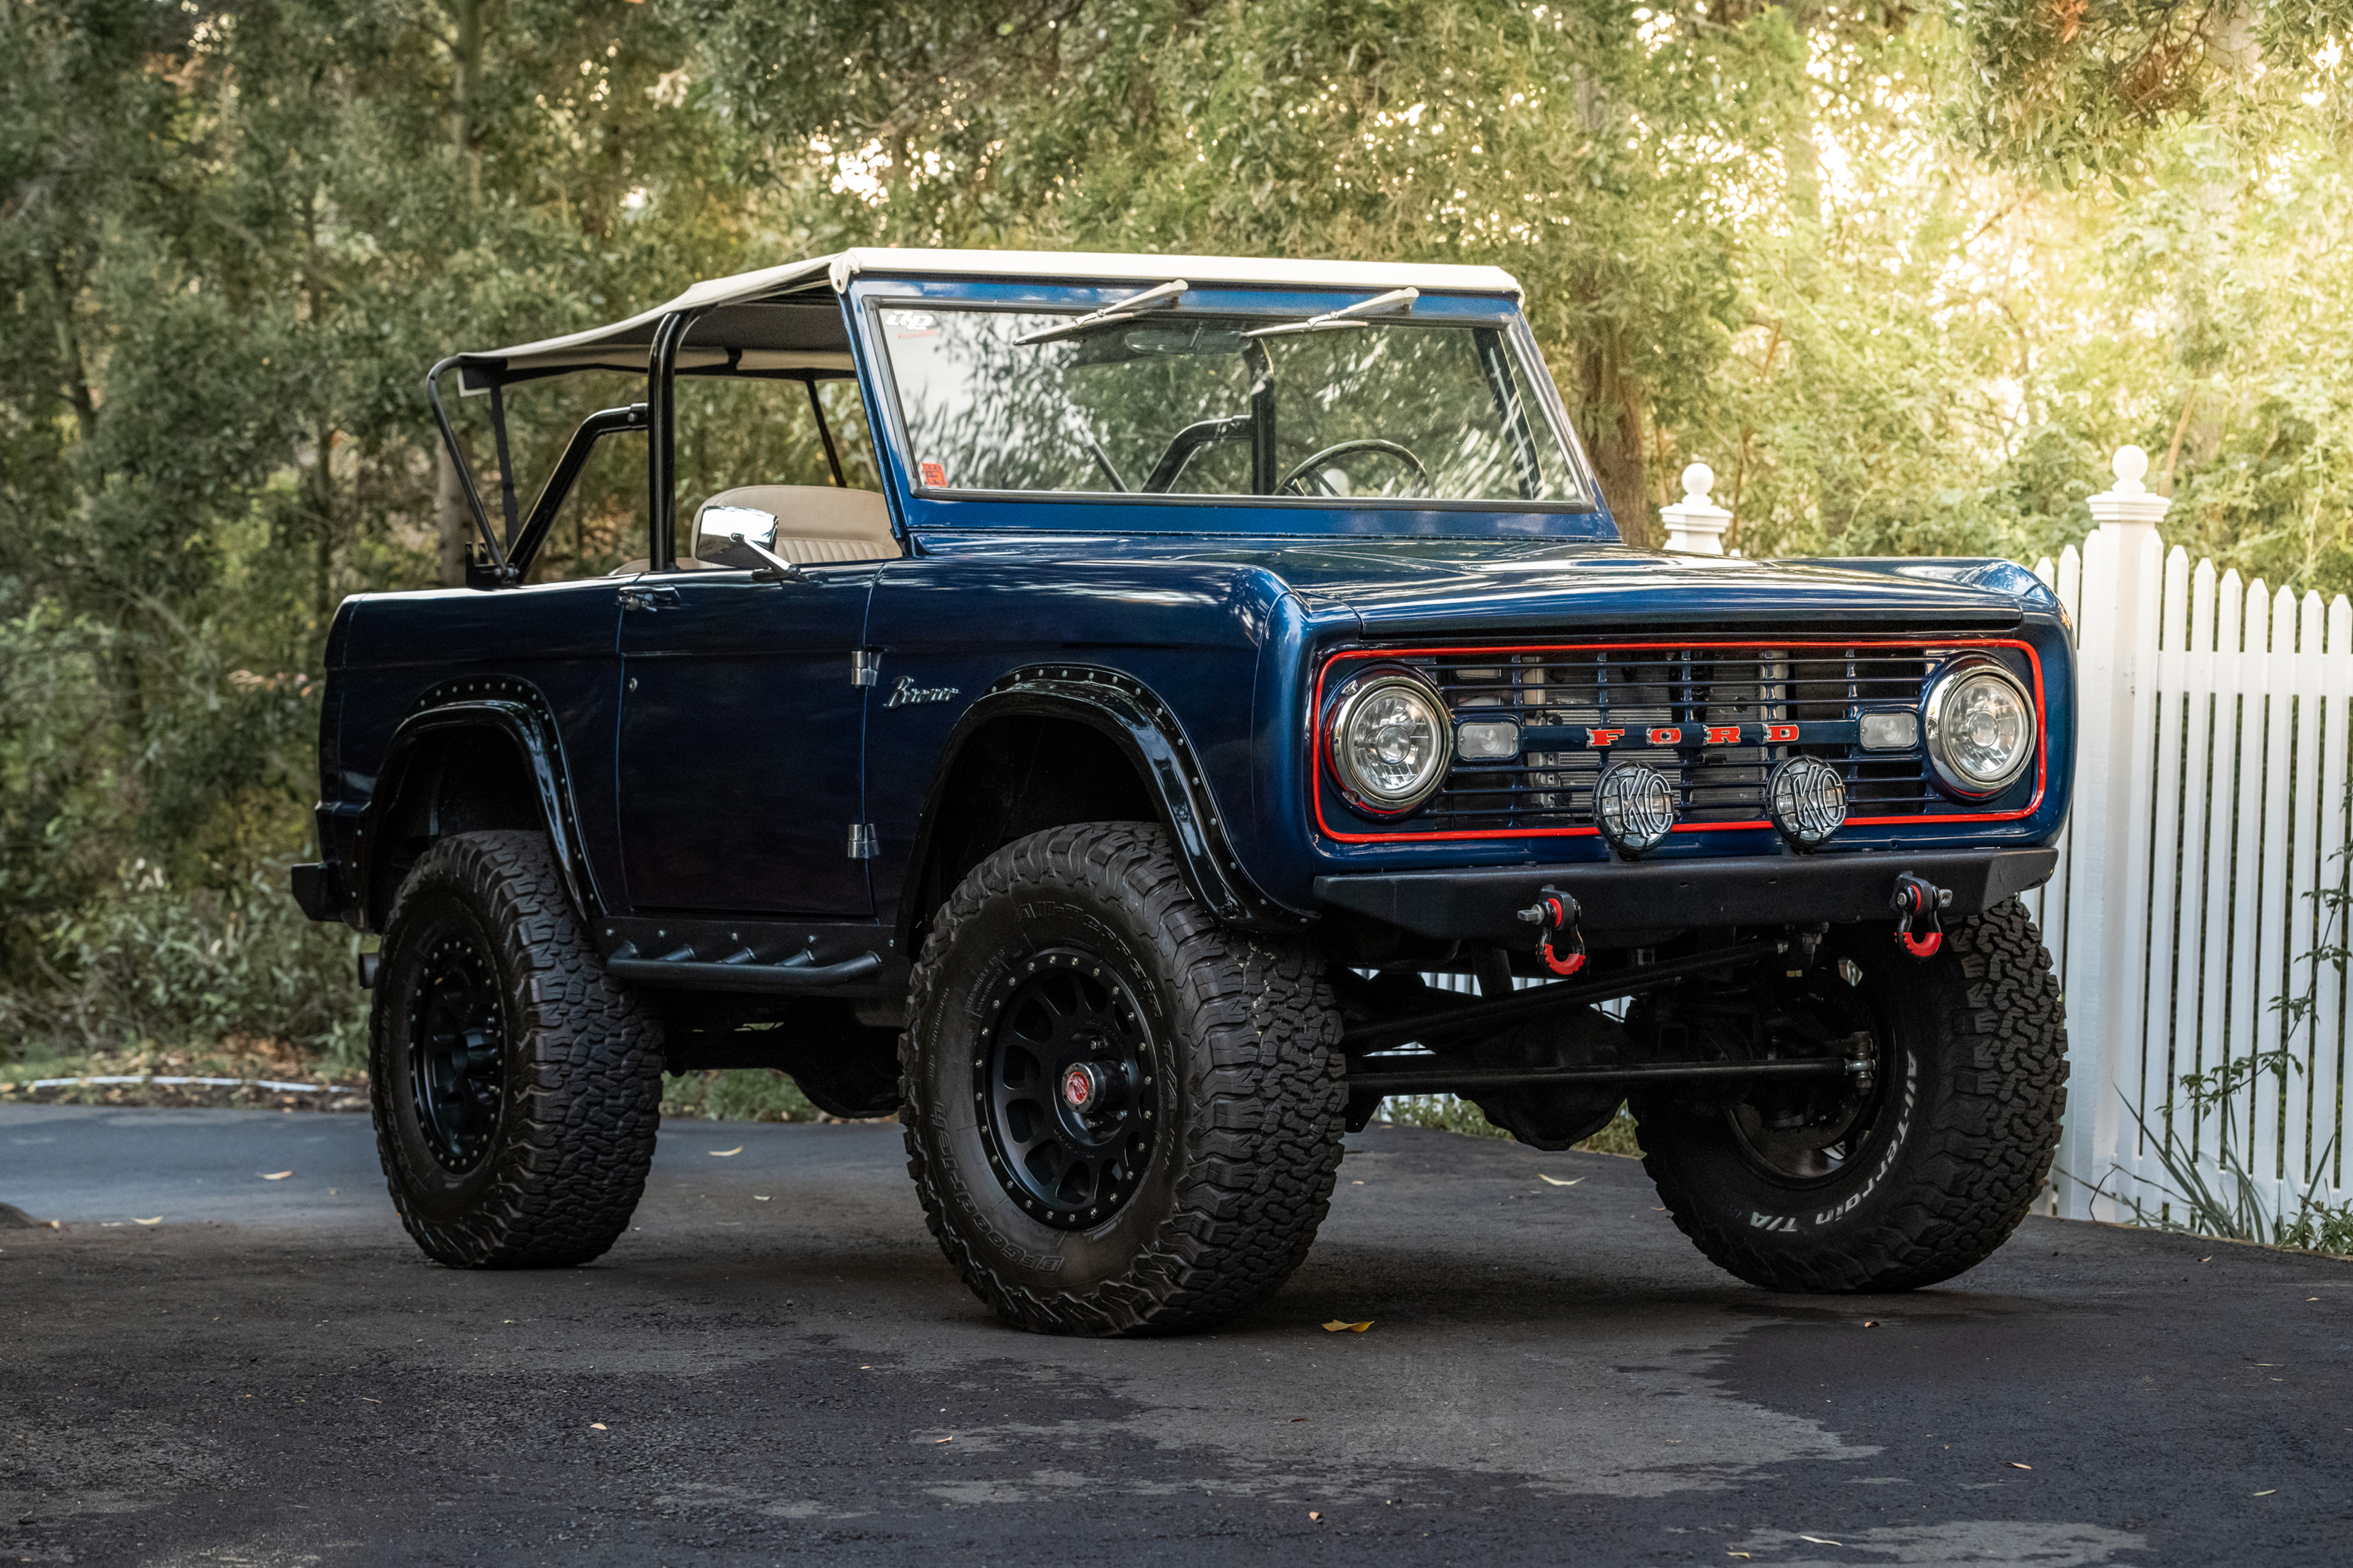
[
  {"x": 515, "y": 709},
  {"x": 1145, "y": 729}
]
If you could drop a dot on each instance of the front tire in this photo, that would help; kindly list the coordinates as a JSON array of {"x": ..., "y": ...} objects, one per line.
[
  {"x": 1121, "y": 1118},
  {"x": 516, "y": 1085},
  {"x": 1923, "y": 1177}
]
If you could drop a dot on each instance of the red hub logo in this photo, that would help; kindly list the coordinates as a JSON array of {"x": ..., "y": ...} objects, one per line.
[{"x": 1078, "y": 1087}]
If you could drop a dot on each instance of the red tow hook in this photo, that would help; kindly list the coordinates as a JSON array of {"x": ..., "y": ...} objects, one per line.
[
  {"x": 1916, "y": 903},
  {"x": 1553, "y": 912}
]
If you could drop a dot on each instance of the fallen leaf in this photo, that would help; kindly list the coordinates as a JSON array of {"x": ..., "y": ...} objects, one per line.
[
  {"x": 947, "y": 1439},
  {"x": 365, "y": 1400},
  {"x": 2016, "y": 1466},
  {"x": 1820, "y": 1541},
  {"x": 1736, "y": 1554},
  {"x": 1312, "y": 1514},
  {"x": 1335, "y": 1325},
  {"x": 136, "y": 1220},
  {"x": 759, "y": 1197},
  {"x": 2205, "y": 1260},
  {"x": 1297, "y": 1419},
  {"x": 2271, "y": 1492},
  {"x": 1870, "y": 1322},
  {"x": 277, "y": 1175},
  {"x": 723, "y": 1153},
  {"x": 595, "y": 1425},
  {"x": 1557, "y": 1182}
]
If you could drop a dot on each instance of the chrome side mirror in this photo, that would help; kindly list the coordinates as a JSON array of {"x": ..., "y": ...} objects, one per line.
[{"x": 718, "y": 528}]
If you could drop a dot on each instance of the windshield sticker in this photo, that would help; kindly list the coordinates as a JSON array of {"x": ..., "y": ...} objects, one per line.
[
  {"x": 916, "y": 324},
  {"x": 934, "y": 477}
]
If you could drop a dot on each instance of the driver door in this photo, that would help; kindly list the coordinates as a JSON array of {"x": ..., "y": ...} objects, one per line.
[{"x": 741, "y": 733}]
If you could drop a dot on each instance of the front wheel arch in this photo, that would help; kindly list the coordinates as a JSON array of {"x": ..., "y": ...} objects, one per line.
[{"x": 1082, "y": 710}]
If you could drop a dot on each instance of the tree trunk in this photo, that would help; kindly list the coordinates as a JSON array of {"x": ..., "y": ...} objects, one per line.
[
  {"x": 451, "y": 519},
  {"x": 1610, "y": 418}
]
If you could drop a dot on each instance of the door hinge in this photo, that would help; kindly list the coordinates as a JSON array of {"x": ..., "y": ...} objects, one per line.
[
  {"x": 865, "y": 666},
  {"x": 863, "y": 845}
]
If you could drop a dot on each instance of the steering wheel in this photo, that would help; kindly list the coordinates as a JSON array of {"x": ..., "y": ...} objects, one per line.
[{"x": 1305, "y": 468}]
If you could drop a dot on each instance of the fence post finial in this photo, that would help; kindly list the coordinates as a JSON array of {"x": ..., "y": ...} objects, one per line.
[
  {"x": 1695, "y": 523},
  {"x": 2130, "y": 502}
]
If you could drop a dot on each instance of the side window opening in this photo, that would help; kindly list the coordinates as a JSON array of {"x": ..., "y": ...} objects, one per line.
[{"x": 784, "y": 459}]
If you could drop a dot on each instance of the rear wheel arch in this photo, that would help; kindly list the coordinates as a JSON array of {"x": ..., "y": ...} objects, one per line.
[
  {"x": 1052, "y": 745},
  {"x": 474, "y": 756}
]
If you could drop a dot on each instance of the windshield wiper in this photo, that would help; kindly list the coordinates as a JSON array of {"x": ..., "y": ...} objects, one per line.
[
  {"x": 1346, "y": 316},
  {"x": 1126, "y": 309}
]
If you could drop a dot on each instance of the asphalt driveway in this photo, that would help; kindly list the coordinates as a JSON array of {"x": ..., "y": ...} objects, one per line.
[{"x": 777, "y": 1366}]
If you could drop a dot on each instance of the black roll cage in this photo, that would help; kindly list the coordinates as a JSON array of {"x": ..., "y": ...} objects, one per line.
[{"x": 509, "y": 558}]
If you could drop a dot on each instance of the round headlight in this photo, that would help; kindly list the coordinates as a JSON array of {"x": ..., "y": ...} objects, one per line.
[
  {"x": 1980, "y": 728},
  {"x": 1389, "y": 741}
]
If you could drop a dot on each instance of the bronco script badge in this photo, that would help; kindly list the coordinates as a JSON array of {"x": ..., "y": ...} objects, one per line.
[{"x": 906, "y": 694}]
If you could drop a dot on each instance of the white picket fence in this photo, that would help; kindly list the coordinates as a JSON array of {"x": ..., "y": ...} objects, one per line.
[{"x": 2210, "y": 808}]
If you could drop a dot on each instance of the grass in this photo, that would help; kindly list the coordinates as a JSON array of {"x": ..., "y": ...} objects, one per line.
[
  {"x": 737, "y": 1094},
  {"x": 1445, "y": 1113},
  {"x": 233, "y": 1058}
]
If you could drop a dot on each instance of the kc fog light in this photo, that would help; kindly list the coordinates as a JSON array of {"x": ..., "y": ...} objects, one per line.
[
  {"x": 1634, "y": 807},
  {"x": 1980, "y": 728},
  {"x": 1807, "y": 801},
  {"x": 1389, "y": 741},
  {"x": 1487, "y": 742}
]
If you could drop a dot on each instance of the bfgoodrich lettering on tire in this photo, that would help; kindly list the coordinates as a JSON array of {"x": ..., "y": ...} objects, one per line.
[
  {"x": 1121, "y": 1118},
  {"x": 517, "y": 1086},
  {"x": 1919, "y": 1178}
]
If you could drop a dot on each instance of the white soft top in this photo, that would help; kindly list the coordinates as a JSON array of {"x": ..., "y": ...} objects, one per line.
[{"x": 623, "y": 344}]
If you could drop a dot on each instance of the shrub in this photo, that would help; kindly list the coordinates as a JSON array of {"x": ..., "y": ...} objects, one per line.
[{"x": 146, "y": 965}]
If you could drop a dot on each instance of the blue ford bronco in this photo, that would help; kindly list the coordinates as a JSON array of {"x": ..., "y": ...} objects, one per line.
[{"x": 1083, "y": 704}]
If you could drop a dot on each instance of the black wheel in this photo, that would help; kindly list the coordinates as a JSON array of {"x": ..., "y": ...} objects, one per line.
[
  {"x": 1122, "y": 1118},
  {"x": 1805, "y": 1185},
  {"x": 517, "y": 1086}
]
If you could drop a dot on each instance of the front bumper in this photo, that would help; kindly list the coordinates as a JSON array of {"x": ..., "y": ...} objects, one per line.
[{"x": 1484, "y": 905}]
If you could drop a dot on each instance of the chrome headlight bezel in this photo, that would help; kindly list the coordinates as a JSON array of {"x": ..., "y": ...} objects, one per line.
[
  {"x": 1348, "y": 703},
  {"x": 1962, "y": 672}
]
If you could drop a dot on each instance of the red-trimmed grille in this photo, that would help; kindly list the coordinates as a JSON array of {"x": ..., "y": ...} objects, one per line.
[{"x": 1734, "y": 713}]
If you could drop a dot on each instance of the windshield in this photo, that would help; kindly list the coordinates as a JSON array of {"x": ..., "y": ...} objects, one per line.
[{"x": 1385, "y": 410}]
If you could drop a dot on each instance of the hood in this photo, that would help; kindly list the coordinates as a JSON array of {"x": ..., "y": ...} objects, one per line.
[
  {"x": 1428, "y": 592},
  {"x": 1399, "y": 589}
]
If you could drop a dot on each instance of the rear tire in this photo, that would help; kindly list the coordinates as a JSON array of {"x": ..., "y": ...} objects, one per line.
[
  {"x": 1122, "y": 1118},
  {"x": 516, "y": 1085},
  {"x": 1942, "y": 1161}
]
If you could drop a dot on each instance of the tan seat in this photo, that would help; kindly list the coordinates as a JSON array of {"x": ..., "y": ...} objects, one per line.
[
  {"x": 806, "y": 525},
  {"x": 812, "y": 523}
]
